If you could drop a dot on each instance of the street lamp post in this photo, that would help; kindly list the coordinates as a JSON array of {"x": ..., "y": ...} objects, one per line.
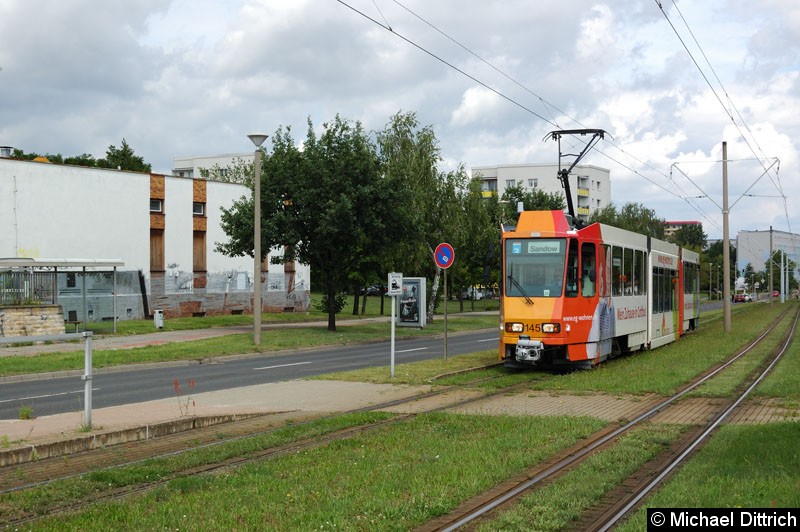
[{"x": 257, "y": 139}]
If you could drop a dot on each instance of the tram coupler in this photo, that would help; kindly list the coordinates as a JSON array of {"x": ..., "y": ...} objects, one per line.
[{"x": 529, "y": 350}]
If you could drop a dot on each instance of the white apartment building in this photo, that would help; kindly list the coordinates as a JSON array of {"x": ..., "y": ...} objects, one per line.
[
  {"x": 163, "y": 228},
  {"x": 590, "y": 185},
  {"x": 752, "y": 247},
  {"x": 191, "y": 166}
]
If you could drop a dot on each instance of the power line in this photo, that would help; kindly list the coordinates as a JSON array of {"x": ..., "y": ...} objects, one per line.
[
  {"x": 442, "y": 60},
  {"x": 744, "y": 137},
  {"x": 547, "y": 104}
]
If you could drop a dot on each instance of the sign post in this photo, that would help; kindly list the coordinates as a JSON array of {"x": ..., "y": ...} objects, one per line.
[
  {"x": 444, "y": 257},
  {"x": 395, "y": 285}
]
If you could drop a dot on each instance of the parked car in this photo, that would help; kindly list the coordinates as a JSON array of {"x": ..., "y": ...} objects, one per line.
[
  {"x": 373, "y": 290},
  {"x": 476, "y": 293},
  {"x": 739, "y": 298},
  {"x": 775, "y": 293}
]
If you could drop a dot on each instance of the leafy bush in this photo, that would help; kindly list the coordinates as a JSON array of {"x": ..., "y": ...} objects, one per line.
[{"x": 322, "y": 304}]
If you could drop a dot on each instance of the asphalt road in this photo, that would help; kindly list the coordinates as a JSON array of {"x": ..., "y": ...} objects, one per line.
[{"x": 131, "y": 385}]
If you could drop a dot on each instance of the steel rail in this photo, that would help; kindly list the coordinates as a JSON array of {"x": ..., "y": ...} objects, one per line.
[
  {"x": 641, "y": 494},
  {"x": 576, "y": 457}
]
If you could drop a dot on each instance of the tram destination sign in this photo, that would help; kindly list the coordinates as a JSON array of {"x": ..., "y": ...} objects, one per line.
[{"x": 537, "y": 247}]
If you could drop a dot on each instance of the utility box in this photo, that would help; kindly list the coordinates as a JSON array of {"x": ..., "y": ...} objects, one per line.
[{"x": 158, "y": 319}]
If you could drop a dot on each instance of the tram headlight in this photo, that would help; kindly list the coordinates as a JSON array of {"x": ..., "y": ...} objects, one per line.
[
  {"x": 551, "y": 328},
  {"x": 546, "y": 328},
  {"x": 515, "y": 327}
]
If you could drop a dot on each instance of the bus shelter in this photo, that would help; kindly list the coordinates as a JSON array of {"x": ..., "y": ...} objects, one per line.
[{"x": 25, "y": 280}]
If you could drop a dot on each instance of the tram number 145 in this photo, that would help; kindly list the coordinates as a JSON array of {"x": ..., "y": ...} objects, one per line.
[{"x": 542, "y": 327}]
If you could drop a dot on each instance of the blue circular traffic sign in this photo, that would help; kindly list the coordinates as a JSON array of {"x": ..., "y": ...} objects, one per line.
[{"x": 444, "y": 255}]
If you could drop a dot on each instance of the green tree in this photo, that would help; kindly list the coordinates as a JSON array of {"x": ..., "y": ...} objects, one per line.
[
  {"x": 326, "y": 205},
  {"x": 606, "y": 215},
  {"x": 56, "y": 158},
  {"x": 532, "y": 200},
  {"x": 238, "y": 171},
  {"x": 123, "y": 158},
  {"x": 84, "y": 159},
  {"x": 690, "y": 236},
  {"x": 429, "y": 209},
  {"x": 479, "y": 237},
  {"x": 632, "y": 217}
]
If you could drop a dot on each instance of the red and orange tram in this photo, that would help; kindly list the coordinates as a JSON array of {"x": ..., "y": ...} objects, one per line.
[{"x": 577, "y": 296}]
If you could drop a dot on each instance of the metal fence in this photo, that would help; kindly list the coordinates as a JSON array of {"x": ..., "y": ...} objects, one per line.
[{"x": 27, "y": 288}]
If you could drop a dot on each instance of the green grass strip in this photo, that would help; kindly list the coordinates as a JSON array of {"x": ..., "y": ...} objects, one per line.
[
  {"x": 748, "y": 466},
  {"x": 391, "y": 479},
  {"x": 272, "y": 341},
  {"x": 556, "y": 505},
  {"x": 37, "y": 500}
]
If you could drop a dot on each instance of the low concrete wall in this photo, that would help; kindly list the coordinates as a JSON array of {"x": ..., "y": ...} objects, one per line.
[
  {"x": 27, "y": 452},
  {"x": 31, "y": 320}
]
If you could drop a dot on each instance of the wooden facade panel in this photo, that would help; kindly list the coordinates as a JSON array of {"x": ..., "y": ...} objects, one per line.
[
  {"x": 199, "y": 223},
  {"x": 199, "y": 251},
  {"x": 157, "y": 186},
  {"x": 156, "y": 250},
  {"x": 199, "y": 190},
  {"x": 156, "y": 221}
]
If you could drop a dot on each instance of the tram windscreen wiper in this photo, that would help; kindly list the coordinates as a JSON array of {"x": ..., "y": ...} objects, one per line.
[{"x": 528, "y": 300}]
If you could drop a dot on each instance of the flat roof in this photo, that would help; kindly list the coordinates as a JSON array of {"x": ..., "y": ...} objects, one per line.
[{"x": 26, "y": 262}]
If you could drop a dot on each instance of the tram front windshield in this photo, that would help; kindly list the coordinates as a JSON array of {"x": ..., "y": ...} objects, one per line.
[{"x": 534, "y": 267}]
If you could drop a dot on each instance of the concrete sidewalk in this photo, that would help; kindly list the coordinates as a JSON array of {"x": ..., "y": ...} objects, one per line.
[
  {"x": 58, "y": 434},
  {"x": 51, "y": 435}
]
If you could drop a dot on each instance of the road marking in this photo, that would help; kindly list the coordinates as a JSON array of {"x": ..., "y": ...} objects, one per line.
[
  {"x": 487, "y": 340},
  {"x": 410, "y": 350},
  {"x": 283, "y": 365},
  {"x": 44, "y": 396}
]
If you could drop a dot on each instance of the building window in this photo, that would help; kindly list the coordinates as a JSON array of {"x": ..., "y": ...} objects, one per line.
[
  {"x": 198, "y": 208},
  {"x": 156, "y": 205},
  {"x": 510, "y": 183},
  {"x": 533, "y": 183}
]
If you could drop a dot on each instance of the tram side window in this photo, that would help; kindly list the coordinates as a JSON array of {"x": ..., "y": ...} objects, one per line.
[
  {"x": 658, "y": 290},
  {"x": 616, "y": 271},
  {"x": 572, "y": 269},
  {"x": 690, "y": 278},
  {"x": 627, "y": 272},
  {"x": 588, "y": 270},
  {"x": 663, "y": 289},
  {"x": 604, "y": 287},
  {"x": 640, "y": 273},
  {"x": 673, "y": 289}
]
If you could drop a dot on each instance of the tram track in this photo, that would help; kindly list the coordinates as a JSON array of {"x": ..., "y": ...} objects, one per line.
[
  {"x": 39, "y": 474},
  {"x": 623, "y": 506},
  {"x": 273, "y": 422},
  {"x": 629, "y": 494}
]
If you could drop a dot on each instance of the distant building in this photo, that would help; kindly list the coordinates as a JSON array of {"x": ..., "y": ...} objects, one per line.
[
  {"x": 163, "y": 228},
  {"x": 672, "y": 227},
  {"x": 590, "y": 185},
  {"x": 192, "y": 166},
  {"x": 753, "y": 247}
]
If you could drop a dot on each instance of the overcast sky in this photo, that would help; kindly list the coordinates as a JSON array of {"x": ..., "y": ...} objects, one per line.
[{"x": 194, "y": 77}]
